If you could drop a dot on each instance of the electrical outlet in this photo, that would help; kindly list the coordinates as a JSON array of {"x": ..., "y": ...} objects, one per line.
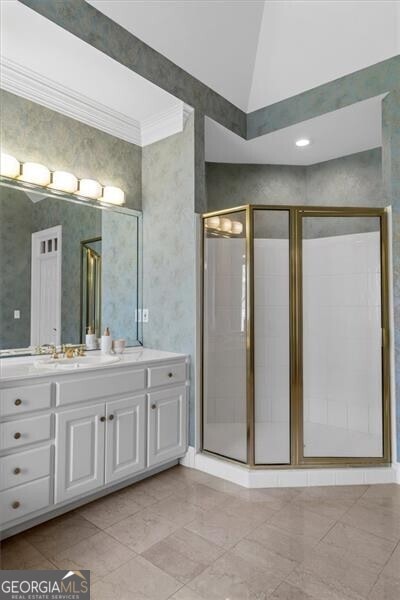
[
  {"x": 145, "y": 315},
  {"x": 17, "y": 314}
]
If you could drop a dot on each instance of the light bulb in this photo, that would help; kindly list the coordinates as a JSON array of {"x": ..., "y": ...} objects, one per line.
[
  {"x": 65, "y": 182},
  {"x": 303, "y": 142},
  {"x": 213, "y": 222},
  {"x": 226, "y": 225},
  {"x": 237, "y": 227},
  {"x": 9, "y": 166},
  {"x": 35, "y": 173},
  {"x": 90, "y": 188},
  {"x": 113, "y": 195}
]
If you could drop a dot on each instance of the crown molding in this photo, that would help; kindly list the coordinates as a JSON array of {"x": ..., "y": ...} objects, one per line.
[
  {"x": 29, "y": 84},
  {"x": 165, "y": 123}
]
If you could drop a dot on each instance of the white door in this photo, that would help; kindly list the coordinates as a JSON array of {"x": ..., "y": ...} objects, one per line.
[
  {"x": 80, "y": 436},
  {"x": 46, "y": 286},
  {"x": 167, "y": 424},
  {"x": 125, "y": 437}
]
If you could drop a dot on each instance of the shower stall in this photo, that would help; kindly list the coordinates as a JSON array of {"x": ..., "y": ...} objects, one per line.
[{"x": 295, "y": 336}]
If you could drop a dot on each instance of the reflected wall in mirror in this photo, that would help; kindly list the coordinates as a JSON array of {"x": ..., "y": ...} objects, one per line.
[{"x": 47, "y": 294}]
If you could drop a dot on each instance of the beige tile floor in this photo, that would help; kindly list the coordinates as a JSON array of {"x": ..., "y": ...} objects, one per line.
[{"x": 184, "y": 535}]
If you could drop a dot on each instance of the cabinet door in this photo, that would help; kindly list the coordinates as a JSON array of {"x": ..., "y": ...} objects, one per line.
[
  {"x": 167, "y": 424},
  {"x": 80, "y": 439},
  {"x": 125, "y": 437}
]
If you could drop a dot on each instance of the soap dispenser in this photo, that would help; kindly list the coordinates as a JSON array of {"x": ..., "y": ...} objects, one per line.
[
  {"x": 106, "y": 341},
  {"x": 91, "y": 343}
]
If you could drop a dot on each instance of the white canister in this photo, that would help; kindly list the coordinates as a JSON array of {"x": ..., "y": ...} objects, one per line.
[
  {"x": 90, "y": 340},
  {"x": 106, "y": 341}
]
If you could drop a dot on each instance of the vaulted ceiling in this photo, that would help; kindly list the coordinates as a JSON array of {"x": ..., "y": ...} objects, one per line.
[{"x": 256, "y": 53}]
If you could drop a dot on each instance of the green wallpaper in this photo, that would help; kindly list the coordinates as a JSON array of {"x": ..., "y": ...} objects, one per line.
[
  {"x": 31, "y": 132},
  {"x": 15, "y": 268},
  {"x": 169, "y": 247},
  {"x": 354, "y": 180}
]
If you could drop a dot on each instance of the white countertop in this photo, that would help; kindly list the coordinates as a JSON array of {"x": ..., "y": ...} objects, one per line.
[{"x": 14, "y": 368}]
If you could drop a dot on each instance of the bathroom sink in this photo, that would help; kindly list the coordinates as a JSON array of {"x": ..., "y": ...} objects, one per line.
[{"x": 83, "y": 362}]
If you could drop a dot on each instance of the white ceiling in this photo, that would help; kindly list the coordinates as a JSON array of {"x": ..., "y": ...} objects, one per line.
[
  {"x": 252, "y": 52},
  {"x": 53, "y": 67},
  {"x": 256, "y": 53},
  {"x": 339, "y": 133}
]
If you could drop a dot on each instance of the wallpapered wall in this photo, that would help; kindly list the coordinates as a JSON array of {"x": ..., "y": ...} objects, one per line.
[
  {"x": 119, "y": 275},
  {"x": 169, "y": 251},
  {"x": 15, "y": 268},
  {"x": 31, "y": 132},
  {"x": 351, "y": 180}
]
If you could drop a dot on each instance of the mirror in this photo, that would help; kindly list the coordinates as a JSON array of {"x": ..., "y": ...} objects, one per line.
[{"x": 65, "y": 265}]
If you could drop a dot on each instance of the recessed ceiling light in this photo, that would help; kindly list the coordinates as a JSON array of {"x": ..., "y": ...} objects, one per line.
[{"x": 302, "y": 142}]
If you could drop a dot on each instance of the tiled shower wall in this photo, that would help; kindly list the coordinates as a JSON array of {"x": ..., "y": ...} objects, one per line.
[{"x": 342, "y": 345}]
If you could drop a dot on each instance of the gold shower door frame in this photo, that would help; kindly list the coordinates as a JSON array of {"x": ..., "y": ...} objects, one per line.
[{"x": 296, "y": 215}]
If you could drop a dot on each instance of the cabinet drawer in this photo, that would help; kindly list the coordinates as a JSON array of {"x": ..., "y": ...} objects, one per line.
[
  {"x": 22, "y": 467},
  {"x": 174, "y": 373},
  {"x": 24, "y": 499},
  {"x": 24, "y": 431},
  {"x": 19, "y": 400},
  {"x": 69, "y": 392}
]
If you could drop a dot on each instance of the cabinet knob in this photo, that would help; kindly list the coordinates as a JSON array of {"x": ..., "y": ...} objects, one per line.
[
  {"x": 17, "y": 471},
  {"x": 154, "y": 406},
  {"x": 170, "y": 375},
  {"x": 17, "y": 435},
  {"x": 16, "y": 504},
  {"x": 18, "y": 402},
  {"x": 102, "y": 419},
  {"x": 111, "y": 417}
]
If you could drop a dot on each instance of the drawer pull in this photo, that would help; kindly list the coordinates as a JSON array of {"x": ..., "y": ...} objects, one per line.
[
  {"x": 102, "y": 419},
  {"x": 17, "y": 435},
  {"x": 17, "y": 471},
  {"x": 170, "y": 375},
  {"x": 154, "y": 406},
  {"x": 16, "y": 504},
  {"x": 111, "y": 417},
  {"x": 18, "y": 402}
]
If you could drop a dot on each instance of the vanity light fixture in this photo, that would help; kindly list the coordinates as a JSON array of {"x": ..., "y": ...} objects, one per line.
[
  {"x": 237, "y": 227},
  {"x": 90, "y": 188},
  {"x": 213, "y": 222},
  {"x": 303, "y": 142},
  {"x": 9, "y": 166},
  {"x": 35, "y": 173},
  {"x": 112, "y": 195},
  {"x": 226, "y": 225},
  {"x": 63, "y": 181}
]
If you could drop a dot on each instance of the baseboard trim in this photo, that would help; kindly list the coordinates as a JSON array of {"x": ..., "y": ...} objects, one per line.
[{"x": 260, "y": 478}]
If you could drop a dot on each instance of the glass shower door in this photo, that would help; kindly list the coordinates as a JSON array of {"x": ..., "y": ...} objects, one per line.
[
  {"x": 271, "y": 336},
  {"x": 225, "y": 336},
  {"x": 342, "y": 336}
]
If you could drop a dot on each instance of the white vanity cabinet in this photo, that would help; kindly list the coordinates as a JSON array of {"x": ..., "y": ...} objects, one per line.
[
  {"x": 166, "y": 424},
  {"x": 80, "y": 444},
  {"x": 67, "y": 438}
]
